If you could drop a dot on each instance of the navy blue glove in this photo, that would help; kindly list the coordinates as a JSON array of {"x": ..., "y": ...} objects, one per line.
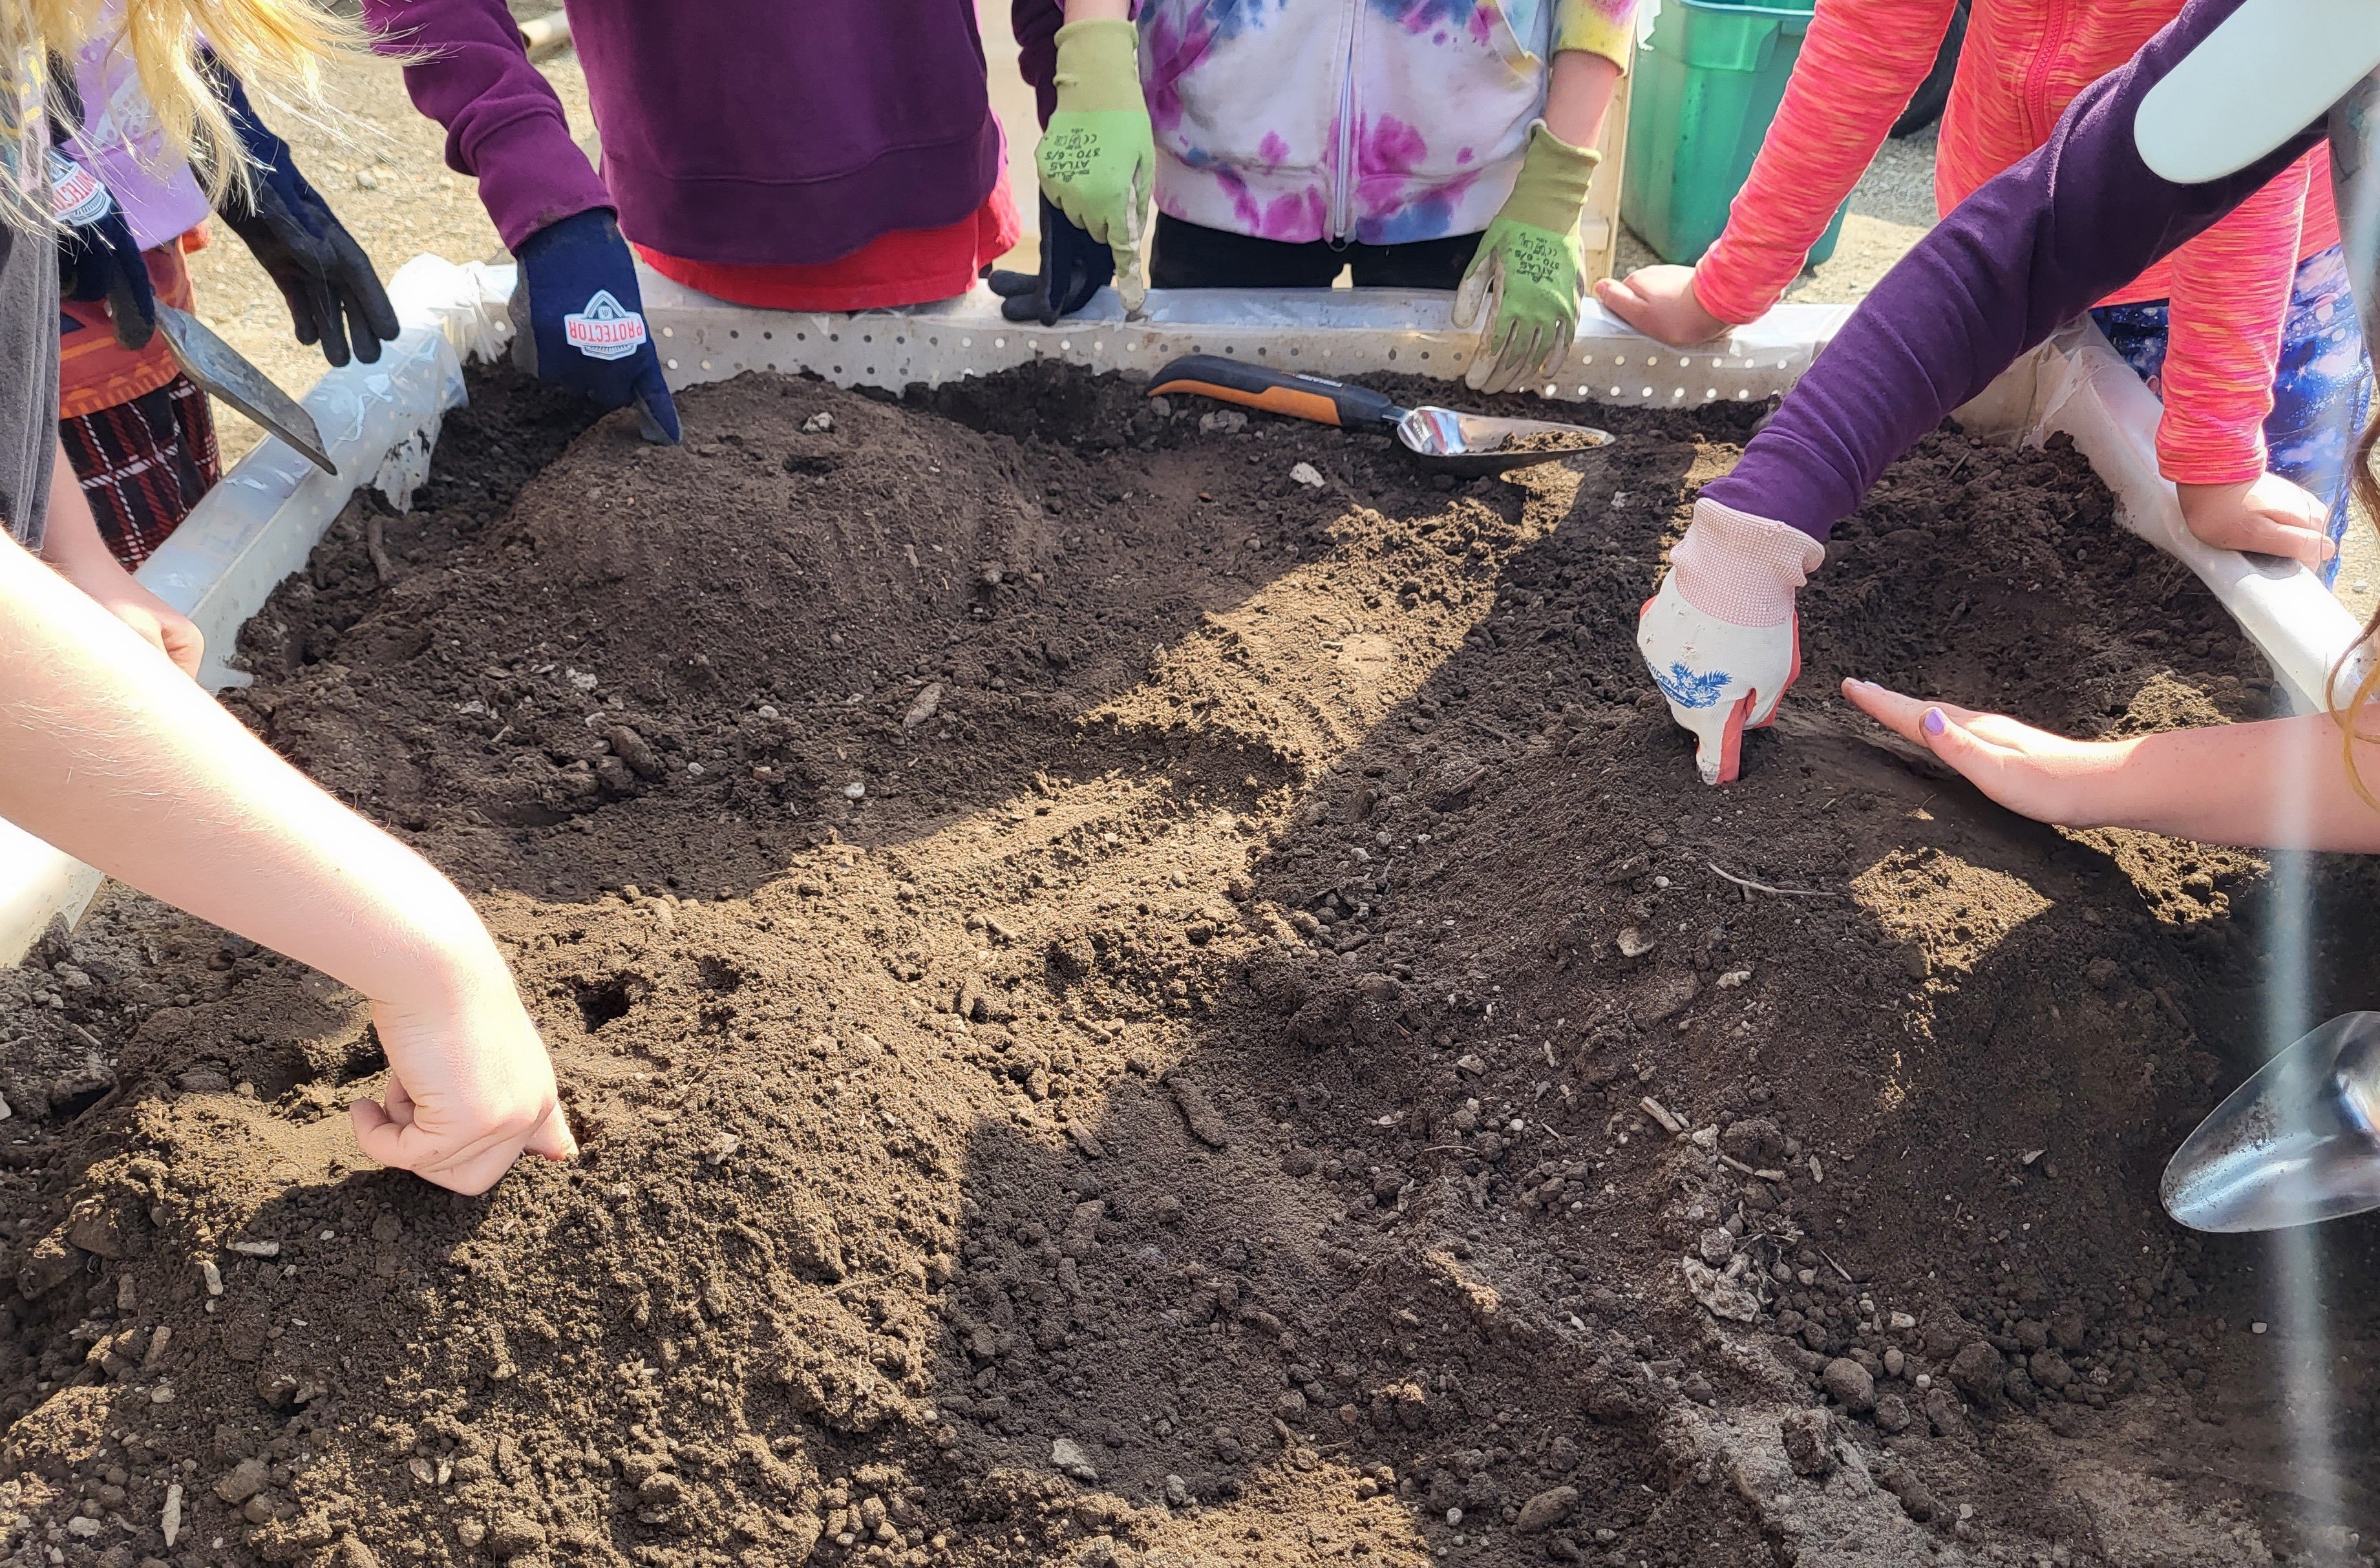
[
  {"x": 334, "y": 297},
  {"x": 98, "y": 258},
  {"x": 578, "y": 320},
  {"x": 1073, "y": 267}
]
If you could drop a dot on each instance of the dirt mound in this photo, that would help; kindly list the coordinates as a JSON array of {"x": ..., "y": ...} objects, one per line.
[{"x": 1124, "y": 1006}]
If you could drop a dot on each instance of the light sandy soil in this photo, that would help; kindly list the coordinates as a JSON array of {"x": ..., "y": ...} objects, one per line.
[{"x": 382, "y": 166}]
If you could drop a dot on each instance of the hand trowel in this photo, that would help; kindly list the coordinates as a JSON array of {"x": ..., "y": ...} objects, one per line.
[
  {"x": 222, "y": 371},
  {"x": 2297, "y": 1143},
  {"x": 1470, "y": 445}
]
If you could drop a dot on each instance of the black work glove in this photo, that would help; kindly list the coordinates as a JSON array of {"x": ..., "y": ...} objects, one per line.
[
  {"x": 334, "y": 297},
  {"x": 1073, "y": 267},
  {"x": 98, "y": 258}
]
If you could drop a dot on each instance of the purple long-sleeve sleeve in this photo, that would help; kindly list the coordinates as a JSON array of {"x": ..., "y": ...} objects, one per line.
[
  {"x": 1036, "y": 24},
  {"x": 503, "y": 124},
  {"x": 2026, "y": 253}
]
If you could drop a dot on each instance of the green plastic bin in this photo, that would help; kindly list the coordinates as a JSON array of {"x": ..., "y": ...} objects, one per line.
[{"x": 1708, "y": 82}]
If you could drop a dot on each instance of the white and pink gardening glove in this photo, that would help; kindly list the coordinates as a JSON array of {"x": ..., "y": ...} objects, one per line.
[{"x": 1720, "y": 636}]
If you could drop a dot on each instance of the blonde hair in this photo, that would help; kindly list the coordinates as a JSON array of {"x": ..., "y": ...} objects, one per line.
[
  {"x": 2365, "y": 657},
  {"x": 276, "y": 47}
]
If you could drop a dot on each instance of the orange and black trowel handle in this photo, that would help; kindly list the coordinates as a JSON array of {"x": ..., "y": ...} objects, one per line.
[{"x": 1277, "y": 392}]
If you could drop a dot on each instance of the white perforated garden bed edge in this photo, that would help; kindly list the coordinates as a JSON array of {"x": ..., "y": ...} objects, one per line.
[{"x": 379, "y": 422}]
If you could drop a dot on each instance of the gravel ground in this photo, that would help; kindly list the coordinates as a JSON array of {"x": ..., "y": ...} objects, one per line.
[{"x": 381, "y": 164}]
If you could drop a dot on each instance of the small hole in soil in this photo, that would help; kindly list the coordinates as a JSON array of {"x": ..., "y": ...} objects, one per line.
[
  {"x": 718, "y": 974},
  {"x": 602, "y": 1001},
  {"x": 79, "y": 1098}
]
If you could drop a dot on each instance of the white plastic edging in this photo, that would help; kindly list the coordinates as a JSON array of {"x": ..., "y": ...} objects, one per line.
[
  {"x": 1323, "y": 331},
  {"x": 378, "y": 422},
  {"x": 2077, "y": 383}
]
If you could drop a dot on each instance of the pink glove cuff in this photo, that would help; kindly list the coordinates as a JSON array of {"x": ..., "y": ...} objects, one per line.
[{"x": 1743, "y": 569}]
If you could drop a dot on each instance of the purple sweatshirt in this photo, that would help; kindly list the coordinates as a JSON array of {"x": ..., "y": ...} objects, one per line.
[
  {"x": 757, "y": 132},
  {"x": 2026, "y": 253}
]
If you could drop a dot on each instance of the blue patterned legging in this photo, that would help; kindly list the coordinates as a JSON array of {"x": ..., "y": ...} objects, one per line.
[{"x": 2322, "y": 390}]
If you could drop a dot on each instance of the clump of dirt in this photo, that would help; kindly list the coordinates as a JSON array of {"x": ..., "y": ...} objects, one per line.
[{"x": 1125, "y": 1008}]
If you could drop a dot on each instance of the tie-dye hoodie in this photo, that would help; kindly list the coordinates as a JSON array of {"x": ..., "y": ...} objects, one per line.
[{"x": 1376, "y": 121}]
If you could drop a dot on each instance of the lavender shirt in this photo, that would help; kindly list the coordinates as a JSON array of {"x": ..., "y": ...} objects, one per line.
[{"x": 2026, "y": 253}]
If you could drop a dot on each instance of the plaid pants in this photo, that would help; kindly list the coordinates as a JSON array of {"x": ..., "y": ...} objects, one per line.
[{"x": 144, "y": 464}]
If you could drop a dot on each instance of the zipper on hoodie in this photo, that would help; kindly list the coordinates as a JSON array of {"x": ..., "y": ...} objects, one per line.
[
  {"x": 1343, "y": 183},
  {"x": 2051, "y": 37}
]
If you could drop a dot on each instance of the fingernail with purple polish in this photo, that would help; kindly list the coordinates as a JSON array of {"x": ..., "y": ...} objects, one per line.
[{"x": 1934, "y": 723}]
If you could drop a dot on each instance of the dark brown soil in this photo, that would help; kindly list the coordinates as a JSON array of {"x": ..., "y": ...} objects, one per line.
[{"x": 1125, "y": 1008}]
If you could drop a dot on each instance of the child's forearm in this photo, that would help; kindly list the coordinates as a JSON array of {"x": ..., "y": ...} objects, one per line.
[
  {"x": 2027, "y": 252},
  {"x": 114, "y": 756},
  {"x": 2283, "y": 784},
  {"x": 71, "y": 537},
  {"x": 1578, "y": 96},
  {"x": 1099, "y": 10}
]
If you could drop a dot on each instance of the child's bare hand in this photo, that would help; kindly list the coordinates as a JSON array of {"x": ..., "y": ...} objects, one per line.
[
  {"x": 2031, "y": 771},
  {"x": 2266, "y": 515},
  {"x": 469, "y": 1089},
  {"x": 1660, "y": 303}
]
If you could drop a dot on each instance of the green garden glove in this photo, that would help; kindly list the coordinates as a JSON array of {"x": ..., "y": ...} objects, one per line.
[
  {"x": 1528, "y": 269},
  {"x": 1099, "y": 154}
]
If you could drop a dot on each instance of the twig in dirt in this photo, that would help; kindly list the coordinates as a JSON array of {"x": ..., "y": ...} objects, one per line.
[
  {"x": 1484, "y": 727},
  {"x": 376, "y": 546},
  {"x": 1764, "y": 887},
  {"x": 1956, "y": 611},
  {"x": 1662, "y": 1113},
  {"x": 2091, "y": 1518},
  {"x": 1957, "y": 466},
  {"x": 1838, "y": 1269}
]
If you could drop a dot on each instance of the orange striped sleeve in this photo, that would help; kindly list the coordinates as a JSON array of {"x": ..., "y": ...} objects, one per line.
[
  {"x": 2231, "y": 301},
  {"x": 1859, "y": 63}
]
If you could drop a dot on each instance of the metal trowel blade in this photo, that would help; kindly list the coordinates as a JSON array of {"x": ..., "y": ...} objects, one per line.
[
  {"x": 2297, "y": 1143},
  {"x": 222, "y": 371}
]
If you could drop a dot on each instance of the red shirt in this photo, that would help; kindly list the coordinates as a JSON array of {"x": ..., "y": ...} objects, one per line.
[{"x": 910, "y": 266}]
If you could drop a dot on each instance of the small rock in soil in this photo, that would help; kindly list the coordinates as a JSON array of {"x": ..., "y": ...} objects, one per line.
[
  {"x": 1850, "y": 1383},
  {"x": 1664, "y": 996},
  {"x": 514, "y": 1534},
  {"x": 1545, "y": 1511},
  {"x": 817, "y": 1250},
  {"x": 1722, "y": 1296},
  {"x": 1070, "y": 1458},
  {"x": 1205, "y": 1126},
  {"x": 1980, "y": 1372},
  {"x": 245, "y": 1480},
  {"x": 1891, "y": 1413},
  {"x": 1809, "y": 1442}
]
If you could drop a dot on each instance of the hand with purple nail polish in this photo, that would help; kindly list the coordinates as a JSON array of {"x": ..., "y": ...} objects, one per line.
[
  {"x": 2041, "y": 775},
  {"x": 2297, "y": 783}
]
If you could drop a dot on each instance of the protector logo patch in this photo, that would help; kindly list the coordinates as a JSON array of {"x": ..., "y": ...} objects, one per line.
[
  {"x": 603, "y": 330},
  {"x": 77, "y": 197}
]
